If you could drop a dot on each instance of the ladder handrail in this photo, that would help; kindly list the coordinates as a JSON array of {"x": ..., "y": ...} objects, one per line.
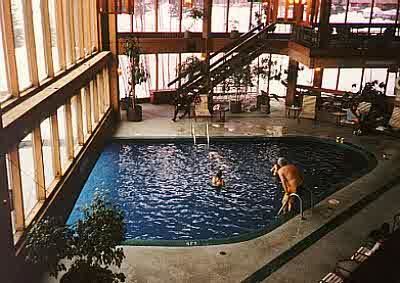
[
  {"x": 221, "y": 50},
  {"x": 301, "y": 205},
  {"x": 208, "y": 135},
  {"x": 193, "y": 134}
]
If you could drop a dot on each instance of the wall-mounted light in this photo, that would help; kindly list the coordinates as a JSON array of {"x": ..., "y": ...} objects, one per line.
[{"x": 188, "y": 3}]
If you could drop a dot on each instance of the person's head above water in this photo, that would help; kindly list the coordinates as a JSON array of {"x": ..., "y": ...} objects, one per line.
[
  {"x": 282, "y": 161},
  {"x": 219, "y": 174}
]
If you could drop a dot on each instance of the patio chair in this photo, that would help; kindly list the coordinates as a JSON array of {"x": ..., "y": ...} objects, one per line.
[
  {"x": 331, "y": 278},
  {"x": 308, "y": 110}
]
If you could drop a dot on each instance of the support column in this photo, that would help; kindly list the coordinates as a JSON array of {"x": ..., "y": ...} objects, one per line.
[
  {"x": 206, "y": 34},
  {"x": 114, "y": 88},
  {"x": 324, "y": 22},
  {"x": 292, "y": 82},
  {"x": 7, "y": 256}
]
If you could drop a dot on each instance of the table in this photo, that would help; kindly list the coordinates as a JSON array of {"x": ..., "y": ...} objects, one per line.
[
  {"x": 339, "y": 117},
  {"x": 381, "y": 266},
  {"x": 293, "y": 110}
]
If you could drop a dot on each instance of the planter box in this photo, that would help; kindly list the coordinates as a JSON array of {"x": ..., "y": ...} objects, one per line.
[
  {"x": 134, "y": 114},
  {"x": 162, "y": 96}
]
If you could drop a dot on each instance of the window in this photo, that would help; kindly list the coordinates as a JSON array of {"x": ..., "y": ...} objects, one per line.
[
  {"x": 391, "y": 83},
  {"x": 329, "y": 78},
  {"x": 26, "y": 160},
  {"x": 338, "y": 11},
  {"x": 168, "y": 15},
  {"x": 190, "y": 24},
  {"x": 359, "y": 11},
  {"x": 21, "y": 55},
  {"x": 145, "y": 16},
  {"x": 167, "y": 64},
  {"x": 348, "y": 77},
  {"x": 10, "y": 192},
  {"x": 53, "y": 31},
  {"x": 38, "y": 29},
  {"x": 124, "y": 23},
  {"x": 305, "y": 75},
  {"x": 239, "y": 16},
  {"x": 47, "y": 152},
  {"x": 219, "y": 16}
]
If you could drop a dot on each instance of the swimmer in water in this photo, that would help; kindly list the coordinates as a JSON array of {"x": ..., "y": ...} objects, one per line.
[{"x": 217, "y": 180}]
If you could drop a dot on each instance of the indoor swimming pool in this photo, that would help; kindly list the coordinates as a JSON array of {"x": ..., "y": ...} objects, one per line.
[{"x": 164, "y": 188}]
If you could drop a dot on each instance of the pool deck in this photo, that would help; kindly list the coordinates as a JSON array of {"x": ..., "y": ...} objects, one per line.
[{"x": 297, "y": 251}]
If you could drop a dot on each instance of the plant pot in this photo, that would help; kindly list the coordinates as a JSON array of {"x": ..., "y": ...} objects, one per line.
[
  {"x": 134, "y": 114},
  {"x": 234, "y": 34},
  {"x": 187, "y": 34},
  {"x": 236, "y": 106}
]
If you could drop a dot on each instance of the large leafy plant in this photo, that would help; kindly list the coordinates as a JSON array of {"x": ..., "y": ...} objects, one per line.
[
  {"x": 188, "y": 66},
  {"x": 136, "y": 70},
  {"x": 241, "y": 77},
  {"x": 90, "y": 245},
  {"x": 195, "y": 14}
]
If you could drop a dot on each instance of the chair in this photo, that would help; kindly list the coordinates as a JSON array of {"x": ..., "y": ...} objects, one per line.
[
  {"x": 394, "y": 121},
  {"x": 331, "y": 278},
  {"x": 201, "y": 108},
  {"x": 309, "y": 107}
]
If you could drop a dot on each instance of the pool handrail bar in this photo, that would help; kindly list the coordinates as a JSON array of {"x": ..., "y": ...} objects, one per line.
[
  {"x": 193, "y": 135},
  {"x": 208, "y": 135},
  {"x": 311, "y": 197},
  {"x": 301, "y": 205}
]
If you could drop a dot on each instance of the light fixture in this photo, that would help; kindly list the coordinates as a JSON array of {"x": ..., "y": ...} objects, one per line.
[{"x": 188, "y": 3}]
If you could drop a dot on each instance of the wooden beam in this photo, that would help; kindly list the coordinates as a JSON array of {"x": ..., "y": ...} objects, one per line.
[
  {"x": 55, "y": 145},
  {"x": 88, "y": 109},
  {"x": 38, "y": 163},
  {"x": 69, "y": 133},
  {"x": 60, "y": 34},
  {"x": 79, "y": 118},
  {"x": 30, "y": 43},
  {"x": 47, "y": 38},
  {"x": 107, "y": 86},
  {"x": 18, "y": 199},
  {"x": 69, "y": 30},
  {"x": 8, "y": 40}
]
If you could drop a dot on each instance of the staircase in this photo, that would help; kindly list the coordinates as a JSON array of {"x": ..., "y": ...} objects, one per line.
[{"x": 237, "y": 54}]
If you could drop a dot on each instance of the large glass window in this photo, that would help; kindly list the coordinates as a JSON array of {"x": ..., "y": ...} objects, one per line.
[
  {"x": 378, "y": 74},
  {"x": 359, "y": 11},
  {"x": 10, "y": 192},
  {"x": 239, "y": 15},
  {"x": 349, "y": 77},
  {"x": 167, "y": 64},
  {"x": 53, "y": 31},
  {"x": 329, "y": 78},
  {"x": 124, "y": 23},
  {"x": 21, "y": 55},
  {"x": 385, "y": 11},
  {"x": 26, "y": 158},
  {"x": 145, "y": 16},
  {"x": 338, "y": 11},
  {"x": 168, "y": 15},
  {"x": 391, "y": 83},
  {"x": 219, "y": 16},
  {"x": 47, "y": 152},
  {"x": 38, "y": 29},
  {"x": 305, "y": 75},
  {"x": 188, "y": 22}
]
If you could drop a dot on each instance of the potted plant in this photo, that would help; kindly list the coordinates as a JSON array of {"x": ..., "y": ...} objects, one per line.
[
  {"x": 242, "y": 77},
  {"x": 188, "y": 66},
  {"x": 90, "y": 245},
  {"x": 267, "y": 69},
  {"x": 195, "y": 14},
  {"x": 137, "y": 74}
]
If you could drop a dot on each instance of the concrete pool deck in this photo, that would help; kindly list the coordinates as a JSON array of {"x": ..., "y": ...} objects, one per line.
[{"x": 297, "y": 251}]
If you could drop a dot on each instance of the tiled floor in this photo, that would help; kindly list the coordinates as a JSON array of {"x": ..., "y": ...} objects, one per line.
[{"x": 242, "y": 260}]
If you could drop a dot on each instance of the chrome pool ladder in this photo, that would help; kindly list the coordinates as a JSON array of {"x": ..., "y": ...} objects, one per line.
[
  {"x": 193, "y": 135},
  {"x": 208, "y": 135},
  {"x": 301, "y": 205}
]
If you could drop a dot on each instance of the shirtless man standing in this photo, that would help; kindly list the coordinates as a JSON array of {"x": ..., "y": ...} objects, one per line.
[{"x": 291, "y": 179}]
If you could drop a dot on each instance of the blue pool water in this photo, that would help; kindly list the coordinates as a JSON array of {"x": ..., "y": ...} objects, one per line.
[{"x": 165, "y": 194}]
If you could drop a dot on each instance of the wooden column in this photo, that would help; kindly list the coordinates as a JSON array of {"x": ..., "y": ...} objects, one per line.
[
  {"x": 81, "y": 29},
  {"x": 114, "y": 88},
  {"x": 69, "y": 132},
  {"x": 6, "y": 234},
  {"x": 44, "y": 7},
  {"x": 18, "y": 199},
  {"x": 55, "y": 146},
  {"x": 8, "y": 34},
  {"x": 30, "y": 43},
  {"x": 106, "y": 82},
  {"x": 70, "y": 31},
  {"x": 324, "y": 22},
  {"x": 38, "y": 163},
  {"x": 292, "y": 81},
  {"x": 88, "y": 109},
  {"x": 95, "y": 99},
  {"x": 79, "y": 118},
  {"x": 318, "y": 74},
  {"x": 60, "y": 34},
  {"x": 100, "y": 92}
]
